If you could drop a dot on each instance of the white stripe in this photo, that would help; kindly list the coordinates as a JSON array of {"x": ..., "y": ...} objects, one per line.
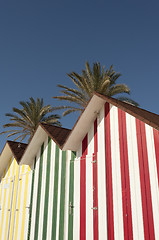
[
  {"x": 153, "y": 177},
  {"x": 89, "y": 185},
  {"x": 58, "y": 196},
  {"x": 79, "y": 151},
  {"x": 36, "y": 174},
  {"x": 68, "y": 158},
  {"x": 91, "y": 140},
  {"x": 28, "y": 205},
  {"x": 42, "y": 200},
  {"x": 101, "y": 175},
  {"x": 135, "y": 189},
  {"x": 76, "y": 216},
  {"x": 22, "y": 179},
  {"x": 51, "y": 190},
  {"x": 27, "y": 169},
  {"x": 89, "y": 199},
  {"x": 116, "y": 174}
]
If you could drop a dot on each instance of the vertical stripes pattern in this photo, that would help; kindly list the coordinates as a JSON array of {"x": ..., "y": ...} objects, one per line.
[
  {"x": 52, "y": 193},
  {"x": 14, "y": 201},
  {"x": 126, "y": 197},
  {"x": 108, "y": 189},
  {"x": 125, "y": 204}
]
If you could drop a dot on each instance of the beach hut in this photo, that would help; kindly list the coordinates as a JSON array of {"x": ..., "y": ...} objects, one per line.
[
  {"x": 15, "y": 182},
  {"x": 98, "y": 181}
]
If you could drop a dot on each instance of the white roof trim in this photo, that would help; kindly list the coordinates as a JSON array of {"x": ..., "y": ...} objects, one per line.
[
  {"x": 33, "y": 147},
  {"x": 4, "y": 158},
  {"x": 84, "y": 123}
]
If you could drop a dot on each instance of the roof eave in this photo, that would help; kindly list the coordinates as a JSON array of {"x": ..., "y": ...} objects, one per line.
[
  {"x": 83, "y": 124},
  {"x": 33, "y": 147},
  {"x": 4, "y": 158}
]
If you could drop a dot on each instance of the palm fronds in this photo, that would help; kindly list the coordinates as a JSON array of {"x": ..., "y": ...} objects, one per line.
[
  {"x": 98, "y": 79},
  {"x": 24, "y": 121}
]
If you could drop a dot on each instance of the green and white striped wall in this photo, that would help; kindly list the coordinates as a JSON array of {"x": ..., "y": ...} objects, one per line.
[{"x": 51, "y": 207}]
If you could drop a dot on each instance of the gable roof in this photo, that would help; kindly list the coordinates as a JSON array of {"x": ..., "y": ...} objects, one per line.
[
  {"x": 10, "y": 149},
  {"x": 17, "y": 149},
  {"x": 57, "y": 134},
  {"x": 90, "y": 113}
]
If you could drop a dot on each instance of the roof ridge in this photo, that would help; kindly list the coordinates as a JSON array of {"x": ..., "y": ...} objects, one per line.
[{"x": 55, "y": 126}]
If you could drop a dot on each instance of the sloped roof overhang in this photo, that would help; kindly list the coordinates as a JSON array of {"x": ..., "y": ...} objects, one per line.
[
  {"x": 83, "y": 123},
  {"x": 4, "y": 157},
  {"x": 10, "y": 149},
  {"x": 58, "y": 135}
]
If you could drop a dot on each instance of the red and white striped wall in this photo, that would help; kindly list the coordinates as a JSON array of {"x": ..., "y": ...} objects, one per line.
[{"x": 116, "y": 179}]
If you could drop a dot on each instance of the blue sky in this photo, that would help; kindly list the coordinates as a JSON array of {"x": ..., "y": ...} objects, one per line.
[{"x": 41, "y": 41}]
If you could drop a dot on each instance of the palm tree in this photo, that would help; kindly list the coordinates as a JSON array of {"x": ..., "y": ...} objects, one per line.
[
  {"x": 98, "y": 80},
  {"x": 24, "y": 121}
]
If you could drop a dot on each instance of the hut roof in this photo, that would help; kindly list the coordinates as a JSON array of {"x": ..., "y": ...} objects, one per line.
[
  {"x": 17, "y": 149},
  {"x": 91, "y": 111},
  {"x": 10, "y": 149}
]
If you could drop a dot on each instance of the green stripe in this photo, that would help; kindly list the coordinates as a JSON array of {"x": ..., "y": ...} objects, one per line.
[
  {"x": 47, "y": 189},
  {"x": 56, "y": 174},
  {"x": 62, "y": 197},
  {"x": 31, "y": 200},
  {"x": 39, "y": 194},
  {"x": 71, "y": 197}
]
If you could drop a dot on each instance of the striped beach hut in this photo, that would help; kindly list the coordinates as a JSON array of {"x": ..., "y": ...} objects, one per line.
[
  {"x": 98, "y": 181},
  {"x": 15, "y": 182}
]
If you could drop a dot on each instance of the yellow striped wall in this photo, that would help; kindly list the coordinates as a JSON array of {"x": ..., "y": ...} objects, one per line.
[{"x": 15, "y": 187}]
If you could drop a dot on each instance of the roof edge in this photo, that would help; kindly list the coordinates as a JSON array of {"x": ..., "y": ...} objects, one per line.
[{"x": 146, "y": 116}]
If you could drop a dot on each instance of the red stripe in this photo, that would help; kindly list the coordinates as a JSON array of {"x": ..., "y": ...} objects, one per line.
[
  {"x": 110, "y": 219},
  {"x": 83, "y": 190},
  {"x": 95, "y": 185},
  {"x": 145, "y": 181},
  {"x": 156, "y": 142},
  {"x": 125, "y": 181}
]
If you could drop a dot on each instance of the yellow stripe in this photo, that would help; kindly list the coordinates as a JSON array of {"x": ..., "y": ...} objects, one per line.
[
  {"x": 14, "y": 167},
  {"x": 9, "y": 206},
  {"x": 18, "y": 204},
  {"x": 24, "y": 206},
  {"x": 14, "y": 202},
  {"x": 8, "y": 170},
  {"x": 29, "y": 169},
  {"x": 4, "y": 173}
]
